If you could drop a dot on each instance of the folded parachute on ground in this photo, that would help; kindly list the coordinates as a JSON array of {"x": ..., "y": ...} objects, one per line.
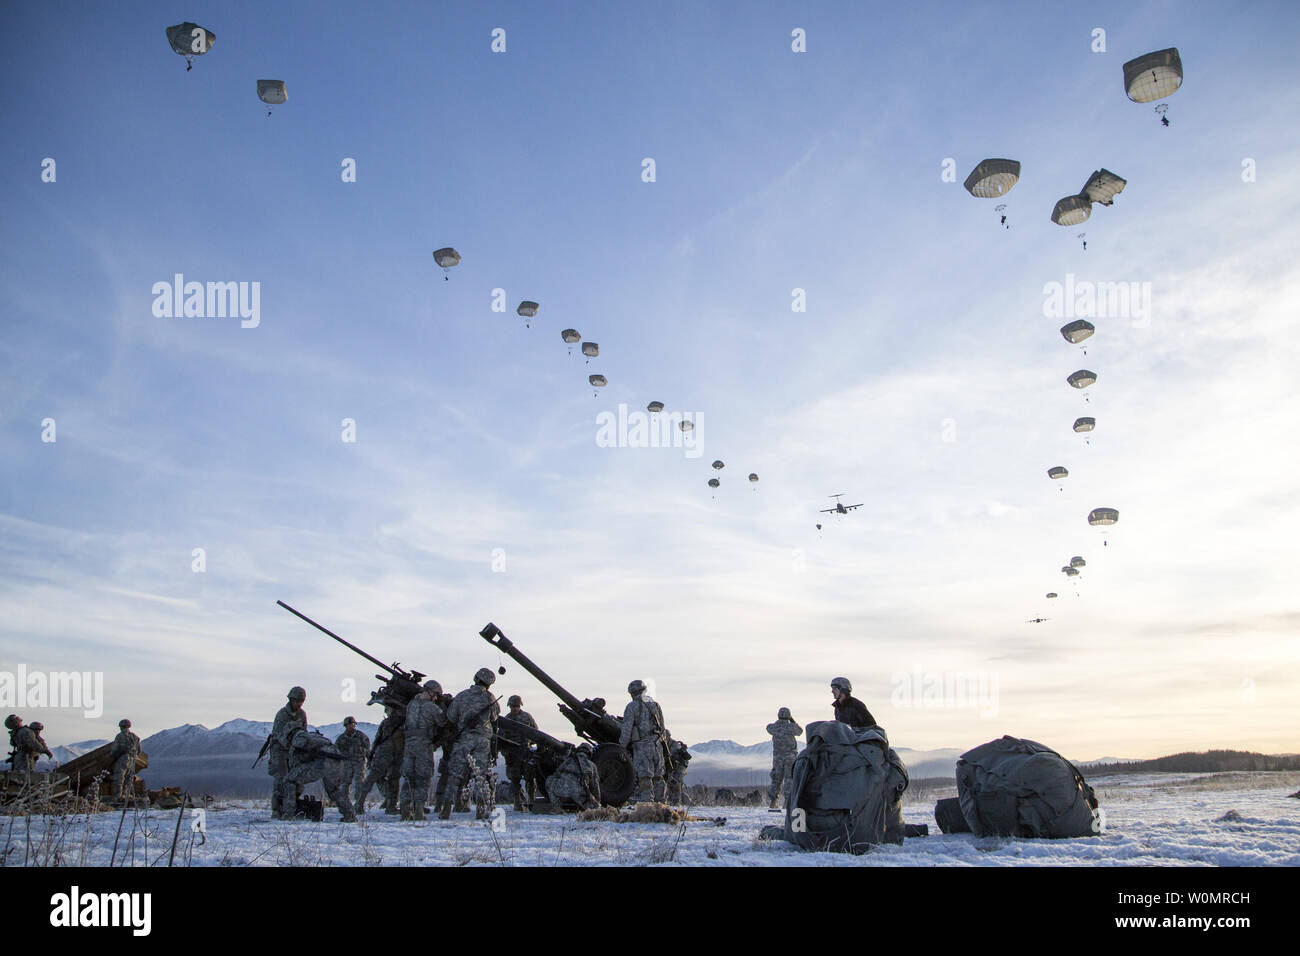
[
  {"x": 847, "y": 788},
  {"x": 1019, "y": 788}
]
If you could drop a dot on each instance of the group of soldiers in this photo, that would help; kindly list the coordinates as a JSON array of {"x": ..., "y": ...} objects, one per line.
[
  {"x": 465, "y": 729},
  {"x": 785, "y": 732},
  {"x": 27, "y": 746}
]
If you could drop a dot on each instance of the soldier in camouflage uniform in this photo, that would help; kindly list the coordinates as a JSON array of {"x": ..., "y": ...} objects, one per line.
[
  {"x": 27, "y": 745},
  {"x": 675, "y": 776},
  {"x": 643, "y": 730},
  {"x": 473, "y": 713},
  {"x": 284, "y": 796},
  {"x": 576, "y": 782},
  {"x": 354, "y": 745},
  {"x": 126, "y": 747},
  {"x": 521, "y": 792},
  {"x": 313, "y": 757},
  {"x": 784, "y": 749},
  {"x": 385, "y": 759},
  {"x": 425, "y": 725}
]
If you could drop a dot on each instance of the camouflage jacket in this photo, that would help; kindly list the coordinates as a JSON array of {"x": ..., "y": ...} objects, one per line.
[
  {"x": 389, "y": 735},
  {"x": 473, "y": 711},
  {"x": 425, "y": 722},
  {"x": 125, "y": 744},
  {"x": 510, "y": 733},
  {"x": 285, "y": 722},
  {"x": 27, "y": 746},
  {"x": 642, "y": 719},
  {"x": 783, "y": 734},
  {"x": 353, "y": 744},
  {"x": 578, "y": 767}
]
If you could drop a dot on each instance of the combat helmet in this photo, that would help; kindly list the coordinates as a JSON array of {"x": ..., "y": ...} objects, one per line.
[
  {"x": 636, "y": 687},
  {"x": 515, "y": 701},
  {"x": 349, "y": 720},
  {"x": 432, "y": 687},
  {"x": 843, "y": 684},
  {"x": 13, "y": 722},
  {"x": 124, "y": 723},
  {"x": 585, "y": 748},
  {"x": 784, "y": 714},
  {"x": 485, "y": 677},
  {"x": 36, "y": 726},
  {"x": 297, "y": 693}
]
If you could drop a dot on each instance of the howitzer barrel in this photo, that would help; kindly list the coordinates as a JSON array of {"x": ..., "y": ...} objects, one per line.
[
  {"x": 352, "y": 647},
  {"x": 497, "y": 638},
  {"x": 531, "y": 733}
]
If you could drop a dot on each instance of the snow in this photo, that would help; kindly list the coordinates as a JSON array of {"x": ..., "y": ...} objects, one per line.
[{"x": 1226, "y": 819}]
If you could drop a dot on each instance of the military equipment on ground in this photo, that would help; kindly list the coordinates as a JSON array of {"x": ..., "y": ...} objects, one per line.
[
  {"x": 399, "y": 685},
  {"x": 589, "y": 719}
]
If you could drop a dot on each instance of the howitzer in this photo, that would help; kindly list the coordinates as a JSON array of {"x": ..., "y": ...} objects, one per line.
[
  {"x": 589, "y": 719},
  {"x": 399, "y": 685}
]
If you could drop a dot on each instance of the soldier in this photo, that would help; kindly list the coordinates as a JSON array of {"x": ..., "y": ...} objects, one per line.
[
  {"x": 848, "y": 709},
  {"x": 643, "y": 730},
  {"x": 473, "y": 714},
  {"x": 27, "y": 745},
  {"x": 675, "y": 778},
  {"x": 425, "y": 724},
  {"x": 785, "y": 747},
  {"x": 126, "y": 747},
  {"x": 516, "y": 764},
  {"x": 284, "y": 796},
  {"x": 354, "y": 745},
  {"x": 383, "y": 755},
  {"x": 576, "y": 782},
  {"x": 312, "y": 757}
]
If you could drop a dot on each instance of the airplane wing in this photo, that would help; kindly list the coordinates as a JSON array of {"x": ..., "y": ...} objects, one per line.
[
  {"x": 827, "y": 511},
  {"x": 851, "y": 507}
]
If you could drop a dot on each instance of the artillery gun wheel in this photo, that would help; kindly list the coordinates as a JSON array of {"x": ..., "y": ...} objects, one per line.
[{"x": 617, "y": 778}]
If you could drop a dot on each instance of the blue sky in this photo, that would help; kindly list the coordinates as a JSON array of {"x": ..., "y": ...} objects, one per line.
[{"x": 775, "y": 171}]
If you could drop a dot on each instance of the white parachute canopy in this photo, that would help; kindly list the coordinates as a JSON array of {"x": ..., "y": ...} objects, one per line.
[
  {"x": 1071, "y": 211},
  {"x": 1102, "y": 187},
  {"x": 1153, "y": 76},
  {"x": 993, "y": 178},
  {"x": 1085, "y": 424}
]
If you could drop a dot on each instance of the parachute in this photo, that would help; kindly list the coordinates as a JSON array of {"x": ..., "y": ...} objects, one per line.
[
  {"x": 713, "y": 483},
  {"x": 687, "y": 425},
  {"x": 446, "y": 258},
  {"x": 1078, "y": 330},
  {"x": 590, "y": 349},
  {"x": 1153, "y": 76},
  {"x": 1102, "y": 187},
  {"x": 1077, "y": 562},
  {"x": 753, "y": 477},
  {"x": 528, "y": 310},
  {"x": 190, "y": 40},
  {"x": 718, "y": 466},
  {"x": 1069, "y": 571},
  {"x": 1101, "y": 517},
  {"x": 1051, "y": 594},
  {"x": 1085, "y": 424},
  {"x": 993, "y": 178},
  {"x": 1057, "y": 472},
  {"x": 1082, "y": 378},
  {"x": 599, "y": 381},
  {"x": 571, "y": 337},
  {"x": 272, "y": 93},
  {"x": 655, "y": 407}
]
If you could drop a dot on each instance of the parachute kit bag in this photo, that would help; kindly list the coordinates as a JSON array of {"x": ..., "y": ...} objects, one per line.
[
  {"x": 1020, "y": 788},
  {"x": 847, "y": 790},
  {"x": 947, "y": 813}
]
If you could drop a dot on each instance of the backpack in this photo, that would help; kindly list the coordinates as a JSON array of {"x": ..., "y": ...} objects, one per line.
[{"x": 847, "y": 790}]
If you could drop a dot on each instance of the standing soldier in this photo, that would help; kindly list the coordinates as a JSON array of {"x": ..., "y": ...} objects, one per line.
[
  {"x": 473, "y": 713},
  {"x": 37, "y": 727},
  {"x": 785, "y": 747},
  {"x": 354, "y": 745},
  {"x": 382, "y": 757},
  {"x": 284, "y": 796},
  {"x": 643, "y": 732},
  {"x": 848, "y": 709},
  {"x": 516, "y": 763},
  {"x": 675, "y": 777},
  {"x": 28, "y": 746},
  {"x": 425, "y": 723},
  {"x": 126, "y": 747},
  {"x": 576, "y": 782}
]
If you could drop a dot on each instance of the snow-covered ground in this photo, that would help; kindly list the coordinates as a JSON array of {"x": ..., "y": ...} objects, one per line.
[{"x": 1237, "y": 819}]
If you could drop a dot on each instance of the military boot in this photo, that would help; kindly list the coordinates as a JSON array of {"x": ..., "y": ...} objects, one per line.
[
  {"x": 444, "y": 813},
  {"x": 417, "y": 811}
]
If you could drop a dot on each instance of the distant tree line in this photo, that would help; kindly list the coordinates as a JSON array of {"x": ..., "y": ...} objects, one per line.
[{"x": 1210, "y": 761}]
